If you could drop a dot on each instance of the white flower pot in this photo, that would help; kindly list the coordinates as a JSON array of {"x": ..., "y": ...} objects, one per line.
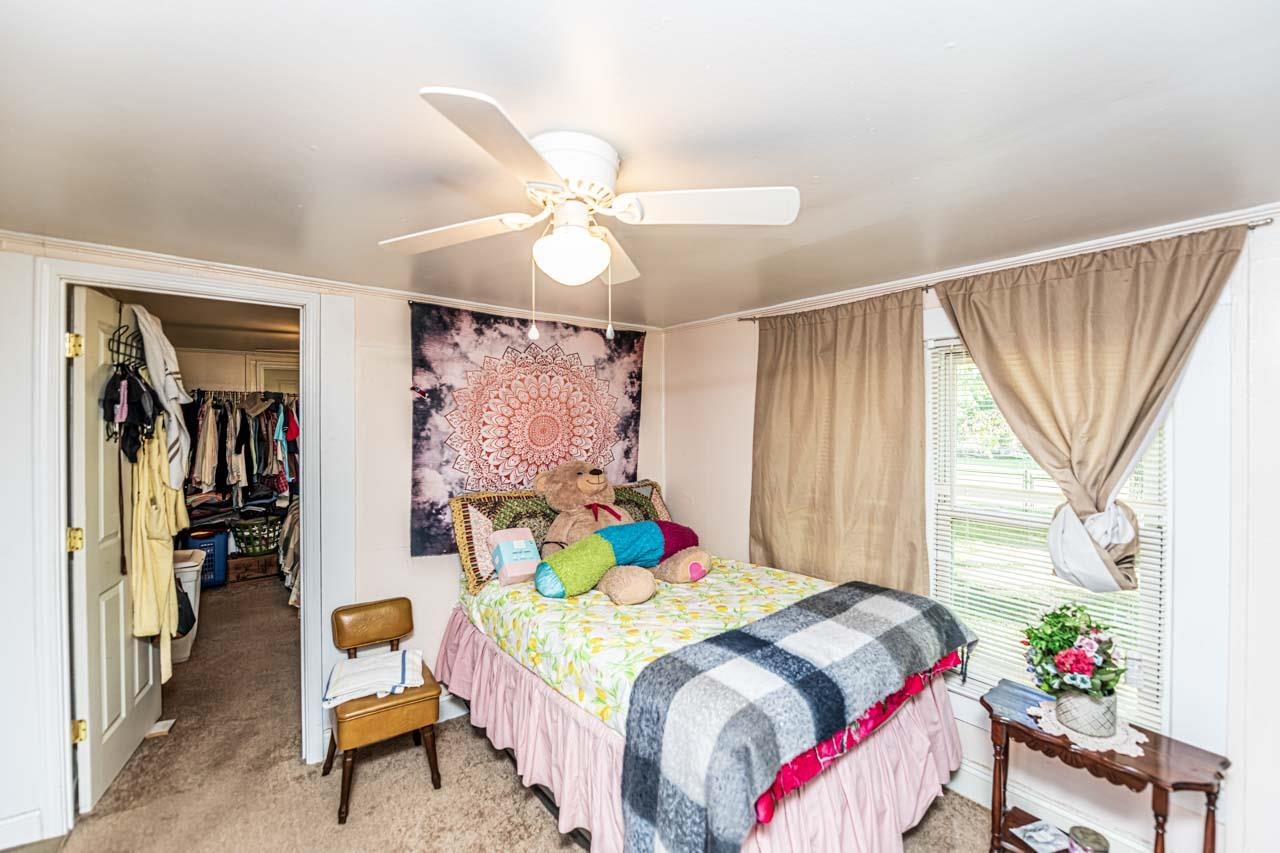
[{"x": 1088, "y": 715}]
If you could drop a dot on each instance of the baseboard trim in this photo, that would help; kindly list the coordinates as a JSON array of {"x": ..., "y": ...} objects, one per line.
[
  {"x": 22, "y": 828},
  {"x": 451, "y": 706}
]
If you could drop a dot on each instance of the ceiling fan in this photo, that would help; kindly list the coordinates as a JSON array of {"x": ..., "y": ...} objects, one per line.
[{"x": 571, "y": 178}]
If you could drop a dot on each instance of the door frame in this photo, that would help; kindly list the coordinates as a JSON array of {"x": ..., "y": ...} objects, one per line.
[{"x": 329, "y": 438}]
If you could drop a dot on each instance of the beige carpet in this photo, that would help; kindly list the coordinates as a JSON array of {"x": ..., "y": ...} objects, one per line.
[{"x": 228, "y": 777}]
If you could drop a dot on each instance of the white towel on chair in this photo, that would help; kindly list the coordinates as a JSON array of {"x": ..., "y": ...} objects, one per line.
[{"x": 373, "y": 675}]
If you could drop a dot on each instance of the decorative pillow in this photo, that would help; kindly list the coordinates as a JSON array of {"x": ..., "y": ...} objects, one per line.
[
  {"x": 515, "y": 554},
  {"x": 477, "y": 514},
  {"x": 480, "y": 528}
]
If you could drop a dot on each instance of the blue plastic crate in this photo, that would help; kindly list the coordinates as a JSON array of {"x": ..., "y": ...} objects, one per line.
[{"x": 214, "y": 543}]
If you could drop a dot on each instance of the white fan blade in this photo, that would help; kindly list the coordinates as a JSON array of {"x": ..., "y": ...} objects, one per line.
[
  {"x": 741, "y": 206},
  {"x": 459, "y": 232},
  {"x": 481, "y": 118},
  {"x": 623, "y": 268}
]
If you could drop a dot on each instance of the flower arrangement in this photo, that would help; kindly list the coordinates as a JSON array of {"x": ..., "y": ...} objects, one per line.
[{"x": 1068, "y": 650}]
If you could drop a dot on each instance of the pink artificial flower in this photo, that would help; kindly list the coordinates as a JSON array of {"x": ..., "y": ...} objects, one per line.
[
  {"x": 1088, "y": 645},
  {"x": 1074, "y": 660}
]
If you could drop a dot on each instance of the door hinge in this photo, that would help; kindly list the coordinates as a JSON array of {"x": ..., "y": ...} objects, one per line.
[
  {"x": 79, "y": 731},
  {"x": 75, "y": 539},
  {"x": 75, "y": 345}
]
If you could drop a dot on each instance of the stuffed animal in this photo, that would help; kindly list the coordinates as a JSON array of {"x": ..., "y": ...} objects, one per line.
[
  {"x": 669, "y": 548},
  {"x": 583, "y": 496},
  {"x": 581, "y": 493}
]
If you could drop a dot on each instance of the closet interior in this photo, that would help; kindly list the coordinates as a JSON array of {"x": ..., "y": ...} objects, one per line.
[{"x": 235, "y": 387}]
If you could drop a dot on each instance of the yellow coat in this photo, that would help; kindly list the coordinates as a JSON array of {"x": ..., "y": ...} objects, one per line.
[{"x": 159, "y": 514}]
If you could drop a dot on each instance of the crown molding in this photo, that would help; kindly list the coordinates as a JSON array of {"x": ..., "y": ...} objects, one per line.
[
  {"x": 77, "y": 250},
  {"x": 1219, "y": 220},
  {"x": 57, "y": 247}
]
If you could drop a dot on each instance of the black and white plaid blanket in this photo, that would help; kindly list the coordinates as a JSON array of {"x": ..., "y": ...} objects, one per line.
[{"x": 710, "y": 724}]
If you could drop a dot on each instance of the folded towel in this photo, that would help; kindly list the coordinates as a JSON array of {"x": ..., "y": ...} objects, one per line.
[{"x": 373, "y": 675}]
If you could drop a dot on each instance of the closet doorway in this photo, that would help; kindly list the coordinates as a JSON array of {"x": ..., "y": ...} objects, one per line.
[{"x": 184, "y": 425}]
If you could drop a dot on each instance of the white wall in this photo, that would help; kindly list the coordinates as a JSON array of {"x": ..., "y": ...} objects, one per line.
[
  {"x": 1253, "y": 736},
  {"x": 25, "y": 781},
  {"x": 225, "y": 370},
  {"x": 710, "y": 403},
  {"x": 710, "y": 397},
  {"x": 384, "y": 418}
]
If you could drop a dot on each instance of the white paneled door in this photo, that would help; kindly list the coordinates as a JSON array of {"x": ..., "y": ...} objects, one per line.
[{"x": 115, "y": 676}]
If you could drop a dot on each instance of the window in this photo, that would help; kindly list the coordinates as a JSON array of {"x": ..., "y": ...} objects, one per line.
[{"x": 991, "y": 511}]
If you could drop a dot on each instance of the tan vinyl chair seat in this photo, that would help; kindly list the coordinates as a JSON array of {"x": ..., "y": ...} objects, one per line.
[{"x": 370, "y": 719}]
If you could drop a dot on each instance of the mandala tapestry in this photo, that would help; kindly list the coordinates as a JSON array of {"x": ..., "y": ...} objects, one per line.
[{"x": 494, "y": 408}]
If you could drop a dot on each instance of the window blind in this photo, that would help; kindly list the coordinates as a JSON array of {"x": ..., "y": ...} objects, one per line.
[{"x": 991, "y": 511}]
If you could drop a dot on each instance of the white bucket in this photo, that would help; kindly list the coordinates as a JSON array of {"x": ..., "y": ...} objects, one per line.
[{"x": 187, "y": 566}]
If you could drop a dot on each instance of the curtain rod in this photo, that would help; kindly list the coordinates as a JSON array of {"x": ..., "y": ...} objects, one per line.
[
  {"x": 755, "y": 318},
  {"x": 925, "y": 288}
]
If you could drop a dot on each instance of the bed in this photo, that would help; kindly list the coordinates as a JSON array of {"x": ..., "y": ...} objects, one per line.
[{"x": 550, "y": 680}]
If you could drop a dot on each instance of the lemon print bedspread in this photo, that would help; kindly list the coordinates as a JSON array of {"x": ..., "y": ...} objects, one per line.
[{"x": 591, "y": 650}]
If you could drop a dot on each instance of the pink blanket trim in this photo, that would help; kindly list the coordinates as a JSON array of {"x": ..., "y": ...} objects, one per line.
[
  {"x": 811, "y": 762},
  {"x": 862, "y": 803}
]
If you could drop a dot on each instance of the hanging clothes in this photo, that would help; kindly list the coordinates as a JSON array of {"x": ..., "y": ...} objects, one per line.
[
  {"x": 245, "y": 465},
  {"x": 282, "y": 442},
  {"x": 159, "y": 514},
  {"x": 166, "y": 379},
  {"x": 243, "y": 442},
  {"x": 237, "y": 473},
  {"x": 130, "y": 407},
  {"x": 205, "y": 469},
  {"x": 219, "y": 427},
  {"x": 290, "y": 552}
]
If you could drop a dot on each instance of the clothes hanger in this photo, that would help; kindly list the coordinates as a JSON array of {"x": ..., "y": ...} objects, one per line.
[{"x": 125, "y": 344}]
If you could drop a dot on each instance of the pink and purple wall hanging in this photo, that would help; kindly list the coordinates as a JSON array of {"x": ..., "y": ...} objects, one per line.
[{"x": 494, "y": 408}]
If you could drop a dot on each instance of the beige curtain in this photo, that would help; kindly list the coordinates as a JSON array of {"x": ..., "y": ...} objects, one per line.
[
  {"x": 1082, "y": 356},
  {"x": 837, "y": 484}
]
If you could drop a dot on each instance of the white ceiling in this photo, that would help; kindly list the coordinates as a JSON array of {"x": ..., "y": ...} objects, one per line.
[
  {"x": 194, "y": 323},
  {"x": 922, "y": 135}
]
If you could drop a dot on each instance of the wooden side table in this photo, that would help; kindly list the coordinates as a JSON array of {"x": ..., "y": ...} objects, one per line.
[{"x": 1166, "y": 765}]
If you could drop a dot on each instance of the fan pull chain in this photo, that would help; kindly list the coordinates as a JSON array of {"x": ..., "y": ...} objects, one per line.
[
  {"x": 534, "y": 334},
  {"x": 608, "y": 330}
]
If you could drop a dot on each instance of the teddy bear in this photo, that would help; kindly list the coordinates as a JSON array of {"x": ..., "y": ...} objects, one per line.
[{"x": 584, "y": 498}]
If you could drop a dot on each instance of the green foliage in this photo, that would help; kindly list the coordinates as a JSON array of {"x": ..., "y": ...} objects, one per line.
[
  {"x": 1071, "y": 628},
  {"x": 983, "y": 431}
]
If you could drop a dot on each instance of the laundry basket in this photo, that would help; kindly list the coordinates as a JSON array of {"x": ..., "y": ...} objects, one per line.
[
  {"x": 258, "y": 536},
  {"x": 187, "y": 567},
  {"x": 214, "y": 544}
]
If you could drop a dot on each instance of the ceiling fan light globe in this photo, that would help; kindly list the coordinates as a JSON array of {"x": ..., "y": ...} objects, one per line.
[{"x": 571, "y": 255}]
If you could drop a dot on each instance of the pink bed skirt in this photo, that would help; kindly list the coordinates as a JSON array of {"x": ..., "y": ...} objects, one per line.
[{"x": 863, "y": 802}]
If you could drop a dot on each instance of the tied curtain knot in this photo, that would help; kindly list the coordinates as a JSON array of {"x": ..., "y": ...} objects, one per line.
[{"x": 1097, "y": 552}]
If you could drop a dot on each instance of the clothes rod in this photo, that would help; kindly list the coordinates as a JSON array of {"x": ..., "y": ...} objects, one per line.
[{"x": 755, "y": 318}]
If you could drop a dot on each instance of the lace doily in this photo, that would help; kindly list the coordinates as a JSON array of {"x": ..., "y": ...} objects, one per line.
[{"x": 1127, "y": 740}]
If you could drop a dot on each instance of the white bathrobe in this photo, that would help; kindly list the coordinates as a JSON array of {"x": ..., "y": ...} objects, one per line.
[
  {"x": 159, "y": 514},
  {"x": 166, "y": 379}
]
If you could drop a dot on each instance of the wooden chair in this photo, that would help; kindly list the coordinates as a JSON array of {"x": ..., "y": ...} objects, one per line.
[{"x": 368, "y": 720}]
